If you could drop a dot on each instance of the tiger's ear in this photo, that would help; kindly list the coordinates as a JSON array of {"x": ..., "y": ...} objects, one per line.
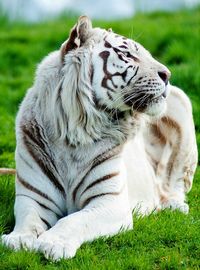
[{"x": 78, "y": 35}]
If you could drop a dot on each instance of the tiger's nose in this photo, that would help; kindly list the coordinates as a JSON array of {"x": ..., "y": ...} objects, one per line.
[{"x": 164, "y": 75}]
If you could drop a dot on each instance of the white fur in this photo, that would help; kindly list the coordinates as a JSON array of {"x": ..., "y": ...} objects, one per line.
[{"x": 61, "y": 102}]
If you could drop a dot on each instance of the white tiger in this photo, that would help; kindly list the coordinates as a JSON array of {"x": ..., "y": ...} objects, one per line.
[{"x": 89, "y": 151}]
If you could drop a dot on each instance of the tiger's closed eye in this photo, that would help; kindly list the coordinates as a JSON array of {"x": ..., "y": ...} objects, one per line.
[{"x": 127, "y": 54}]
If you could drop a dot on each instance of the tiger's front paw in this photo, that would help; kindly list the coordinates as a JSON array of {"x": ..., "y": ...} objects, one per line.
[
  {"x": 17, "y": 240},
  {"x": 23, "y": 239},
  {"x": 55, "y": 246},
  {"x": 175, "y": 205}
]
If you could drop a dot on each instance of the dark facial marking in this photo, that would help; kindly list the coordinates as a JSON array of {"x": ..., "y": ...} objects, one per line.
[
  {"x": 132, "y": 57},
  {"x": 123, "y": 47},
  {"x": 136, "y": 47},
  {"x": 136, "y": 71},
  {"x": 120, "y": 55},
  {"x": 107, "y": 44},
  {"x": 108, "y": 76},
  {"x": 109, "y": 95}
]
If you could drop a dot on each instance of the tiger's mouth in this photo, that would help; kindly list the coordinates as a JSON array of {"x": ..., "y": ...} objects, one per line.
[
  {"x": 164, "y": 94},
  {"x": 142, "y": 101}
]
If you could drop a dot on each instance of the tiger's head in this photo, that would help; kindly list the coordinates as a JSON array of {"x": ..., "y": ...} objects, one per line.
[{"x": 106, "y": 71}]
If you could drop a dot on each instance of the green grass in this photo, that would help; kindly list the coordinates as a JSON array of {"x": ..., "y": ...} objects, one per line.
[{"x": 168, "y": 240}]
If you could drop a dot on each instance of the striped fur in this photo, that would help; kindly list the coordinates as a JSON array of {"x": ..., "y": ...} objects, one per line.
[{"x": 89, "y": 151}]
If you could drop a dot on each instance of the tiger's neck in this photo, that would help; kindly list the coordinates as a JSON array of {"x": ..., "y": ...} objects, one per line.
[{"x": 118, "y": 127}]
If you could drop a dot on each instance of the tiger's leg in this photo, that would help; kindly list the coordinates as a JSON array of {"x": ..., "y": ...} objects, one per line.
[
  {"x": 172, "y": 148},
  {"x": 36, "y": 208},
  {"x": 34, "y": 214},
  {"x": 104, "y": 211},
  {"x": 29, "y": 224}
]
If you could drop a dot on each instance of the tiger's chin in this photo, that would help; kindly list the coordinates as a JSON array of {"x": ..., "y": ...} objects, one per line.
[{"x": 156, "y": 108}]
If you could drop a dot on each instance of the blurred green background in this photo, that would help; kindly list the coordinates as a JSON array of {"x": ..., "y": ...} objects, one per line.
[{"x": 164, "y": 241}]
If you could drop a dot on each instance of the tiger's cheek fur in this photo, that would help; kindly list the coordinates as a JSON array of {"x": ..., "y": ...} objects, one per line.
[
  {"x": 130, "y": 76},
  {"x": 116, "y": 76}
]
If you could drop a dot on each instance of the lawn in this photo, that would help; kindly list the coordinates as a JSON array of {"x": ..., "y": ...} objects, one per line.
[{"x": 168, "y": 240}]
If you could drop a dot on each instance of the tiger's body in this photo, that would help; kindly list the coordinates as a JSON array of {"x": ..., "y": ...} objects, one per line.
[{"x": 88, "y": 150}]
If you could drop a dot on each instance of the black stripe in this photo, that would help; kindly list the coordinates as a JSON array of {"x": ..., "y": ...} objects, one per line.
[
  {"x": 136, "y": 47},
  {"x": 100, "y": 180},
  {"x": 109, "y": 95},
  {"x": 106, "y": 155},
  {"x": 59, "y": 104},
  {"x": 46, "y": 223},
  {"x": 91, "y": 74},
  {"x": 88, "y": 200},
  {"x": 123, "y": 47},
  {"x": 136, "y": 71},
  {"x": 32, "y": 133},
  {"x": 115, "y": 113},
  {"x": 40, "y": 204},
  {"x": 109, "y": 154},
  {"x": 25, "y": 161},
  {"x": 108, "y": 76},
  {"x": 40, "y": 155},
  {"x": 37, "y": 191},
  {"x": 120, "y": 55}
]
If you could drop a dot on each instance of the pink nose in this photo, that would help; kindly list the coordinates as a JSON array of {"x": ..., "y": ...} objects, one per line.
[{"x": 164, "y": 75}]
